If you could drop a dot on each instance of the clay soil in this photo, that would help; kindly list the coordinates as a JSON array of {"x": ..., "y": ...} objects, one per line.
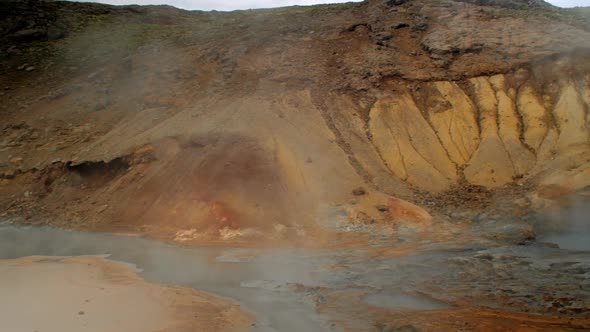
[{"x": 392, "y": 128}]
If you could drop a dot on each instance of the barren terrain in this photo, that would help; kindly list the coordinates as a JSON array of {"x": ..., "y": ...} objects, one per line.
[
  {"x": 453, "y": 134},
  {"x": 90, "y": 294}
]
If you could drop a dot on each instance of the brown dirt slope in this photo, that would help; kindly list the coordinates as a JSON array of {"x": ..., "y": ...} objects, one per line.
[{"x": 202, "y": 125}]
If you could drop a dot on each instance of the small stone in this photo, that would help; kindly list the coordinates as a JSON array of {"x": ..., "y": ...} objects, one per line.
[
  {"x": 56, "y": 160},
  {"x": 384, "y": 36},
  {"x": 16, "y": 160},
  {"x": 392, "y": 3},
  {"x": 102, "y": 208},
  {"x": 359, "y": 26},
  {"x": 382, "y": 208},
  {"x": 30, "y": 68},
  {"x": 422, "y": 26},
  {"x": 400, "y": 25},
  {"x": 8, "y": 174},
  {"x": 80, "y": 312},
  {"x": 360, "y": 191},
  {"x": 23, "y": 66}
]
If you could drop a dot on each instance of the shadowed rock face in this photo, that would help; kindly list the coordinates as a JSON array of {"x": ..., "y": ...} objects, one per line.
[{"x": 222, "y": 124}]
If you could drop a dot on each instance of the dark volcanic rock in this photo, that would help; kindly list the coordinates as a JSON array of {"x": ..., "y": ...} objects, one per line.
[
  {"x": 393, "y": 3},
  {"x": 400, "y": 25}
]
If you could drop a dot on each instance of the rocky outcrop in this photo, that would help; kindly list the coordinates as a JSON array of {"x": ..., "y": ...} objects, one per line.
[
  {"x": 490, "y": 132},
  {"x": 408, "y": 145}
]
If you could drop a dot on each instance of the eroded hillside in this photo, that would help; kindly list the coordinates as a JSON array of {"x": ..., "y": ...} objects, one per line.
[{"x": 290, "y": 123}]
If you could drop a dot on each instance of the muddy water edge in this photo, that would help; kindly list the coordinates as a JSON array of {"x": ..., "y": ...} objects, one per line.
[{"x": 294, "y": 289}]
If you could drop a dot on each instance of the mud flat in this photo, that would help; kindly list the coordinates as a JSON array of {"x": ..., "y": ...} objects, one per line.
[
  {"x": 48, "y": 294},
  {"x": 286, "y": 289}
]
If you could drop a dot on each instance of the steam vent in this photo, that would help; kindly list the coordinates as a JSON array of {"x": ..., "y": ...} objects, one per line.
[{"x": 401, "y": 165}]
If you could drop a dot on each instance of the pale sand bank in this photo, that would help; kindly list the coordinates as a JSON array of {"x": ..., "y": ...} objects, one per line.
[{"x": 48, "y": 294}]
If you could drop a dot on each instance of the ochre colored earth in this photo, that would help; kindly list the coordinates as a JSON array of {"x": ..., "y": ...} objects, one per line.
[
  {"x": 253, "y": 124},
  {"x": 324, "y": 127}
]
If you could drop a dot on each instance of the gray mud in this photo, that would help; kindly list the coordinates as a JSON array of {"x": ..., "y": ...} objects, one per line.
[{"x": 284, "y": 288}]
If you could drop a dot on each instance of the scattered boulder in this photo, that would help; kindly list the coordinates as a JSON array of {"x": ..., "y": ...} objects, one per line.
[
  {"x": 384, "y": 36},
  {"x": 420, "y": 27},
  {"x": 354, "y": 27},
  {"x": 382, "y": 208},
  {"x": 393, "y": 3},
  {"x": 9, "y": 174},
  {"x": 360, "y": 191},
  {"x": 400, "y": 25}
]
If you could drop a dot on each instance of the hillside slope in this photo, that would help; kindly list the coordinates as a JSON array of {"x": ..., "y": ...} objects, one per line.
[{"x": 288, "y": 122}]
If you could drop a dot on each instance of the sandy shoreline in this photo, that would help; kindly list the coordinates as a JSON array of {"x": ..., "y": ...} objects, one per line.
[{"x": 49, "y": 294}]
